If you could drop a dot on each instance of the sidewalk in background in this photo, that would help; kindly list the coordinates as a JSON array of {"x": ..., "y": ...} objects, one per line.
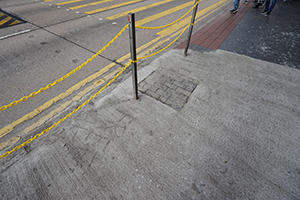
[
  {"x": 274, "y": 38},
  {"x": 212, "y": 125}
]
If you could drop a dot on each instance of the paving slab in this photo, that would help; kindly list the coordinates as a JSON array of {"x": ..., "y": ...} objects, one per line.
[
  {"x": 216, "y": 124},
  {"x": 236, "y": 137}
]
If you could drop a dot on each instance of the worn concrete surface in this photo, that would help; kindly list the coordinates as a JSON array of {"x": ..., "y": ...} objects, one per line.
[{"x": 237, "y": 136}]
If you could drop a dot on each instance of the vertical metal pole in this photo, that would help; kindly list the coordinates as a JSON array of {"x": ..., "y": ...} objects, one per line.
[
  {"x": 132, "y": 38},
  {"x": 191, "y": 28}
]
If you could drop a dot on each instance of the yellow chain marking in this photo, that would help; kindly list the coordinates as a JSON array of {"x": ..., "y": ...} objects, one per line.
[
  {"x": 86, "y": 102},
  {"x": 159, "y": 27},
  {"x": 96, "y": 94},
  {"x": 33, "y": 94},
  {"x": 67, "y": 116},
  {"x": 166, "y": 46}
]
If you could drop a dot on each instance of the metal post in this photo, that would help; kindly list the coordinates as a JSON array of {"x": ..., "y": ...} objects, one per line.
[
  {"x": 191, "y": 28},
  {"x": 131, "y": 21}
]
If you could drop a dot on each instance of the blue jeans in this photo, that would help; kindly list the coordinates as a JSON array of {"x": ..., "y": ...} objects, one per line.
[
  {"x": 236, "y": 4},
  {"x": 269, "y": 8}
]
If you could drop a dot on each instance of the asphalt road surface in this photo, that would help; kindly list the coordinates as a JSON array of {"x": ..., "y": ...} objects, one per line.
[{"x": 47, "y": 39}]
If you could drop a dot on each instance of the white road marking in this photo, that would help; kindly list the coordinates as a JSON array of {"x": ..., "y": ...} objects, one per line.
[{"x": 14, "y": 34}]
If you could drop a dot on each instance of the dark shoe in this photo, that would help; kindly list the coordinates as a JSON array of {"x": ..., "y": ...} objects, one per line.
[
  {"x": 255, "y": 4},
  {"x": 233, "y": 11},
  {"x": 264, "y": 12}
]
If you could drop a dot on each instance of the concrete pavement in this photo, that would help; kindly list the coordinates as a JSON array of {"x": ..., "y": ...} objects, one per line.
[{"x": 212, "y": 125}]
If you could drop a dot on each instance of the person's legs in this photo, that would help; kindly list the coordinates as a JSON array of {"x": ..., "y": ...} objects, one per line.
[
  {"x": 236, "y": 4},
  {"x": 272, "y": 6},
  {"x": 267, "y": 5}
]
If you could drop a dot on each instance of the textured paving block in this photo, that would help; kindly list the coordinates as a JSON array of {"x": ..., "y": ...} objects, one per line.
[
  {"x": 163, "y": 93},
  {"x": 178, "y": 83},
  {"x": 176, "y": 106},
  {"x": 182, "y": 91},
  {"x": 168, "y": 79},
  {"x": 190, "y": 85},
  {"x": 152, "y": 94},
  {"x": 169, "y": 87},
  {"x": 149, "y": 87},
  {"x": 162, "y": 99},
  {"x": 161, "y": 86}
]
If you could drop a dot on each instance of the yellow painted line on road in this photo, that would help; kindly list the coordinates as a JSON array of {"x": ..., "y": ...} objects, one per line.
[
  {"x": 9, "y": 143},
  {"x": 7, "y": 21},
  {"x": 7, "y": 129},
  {"x": 164, "y": 13},
  {"x": 89, "y": 4},
  {"x": 49, "y": 103},
  {"x": 48, "y": 0},
  {"x": 76, "y": 87},
  {"x": 66, "y": 104},
  {"x": 184, "y": 22},
  {"x": 57, "y": 110},
  {"x": 112, "y": 7},
  {"x": 153, "y": 48},
  {"x": 137, "y": 9},
  {"x": 68, "y": 2},
  {"x": 14, "y": 23},
  {"x": 96, "y": 84},
  {"x": 3, "y": 21}
]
